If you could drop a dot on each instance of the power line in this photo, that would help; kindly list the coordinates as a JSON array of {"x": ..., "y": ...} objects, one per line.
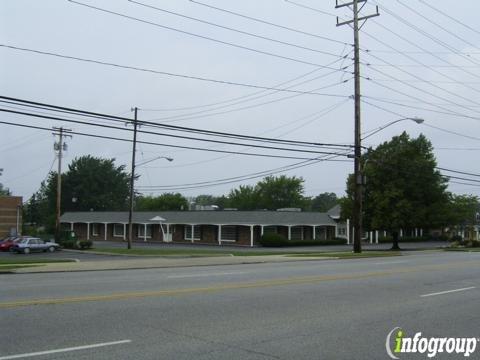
[
  {"x": 458, "y": 172},
  {"x": 449, "y": 16},
  {"x": 269, "y": 23},
  {"x": 232, "y": 29},
  {"x": 198, "y": 35},
  {"x": 168, "y": 135},
  {"x": 164, "y": 145},
  {"x": 437, "y": 25},
  {"x": 158, "y": 72},
  {"x": 169, "y": 127}
]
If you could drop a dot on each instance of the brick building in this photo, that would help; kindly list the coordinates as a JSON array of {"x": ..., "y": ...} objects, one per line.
[
  {"x": 10, "y": 215},
  {"x": 202, "y": 227}
]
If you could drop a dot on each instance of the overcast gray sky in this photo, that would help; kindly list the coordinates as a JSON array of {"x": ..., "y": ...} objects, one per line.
[{"x": 416, "y": 61}]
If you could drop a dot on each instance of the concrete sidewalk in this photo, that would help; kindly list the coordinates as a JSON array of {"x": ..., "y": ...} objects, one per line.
[{"x": 154, "y": 263}]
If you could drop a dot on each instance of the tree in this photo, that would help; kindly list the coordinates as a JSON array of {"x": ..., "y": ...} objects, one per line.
[
  {"x": 90, "y": 183},
  {"x": 280, "y": 192},
  {"x": 324, "y": 202},
  {"x": 403, "y": 188},
  {"x": 4, "y": 191},
  {"x": 244, "y": 198},
  {"x": 462, "y": 210},
  {"x": 95, "y": 184},
  {"x": 164, "y": 202}
]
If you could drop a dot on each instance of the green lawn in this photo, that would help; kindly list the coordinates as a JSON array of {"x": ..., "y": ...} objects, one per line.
[
  {"x": 209, "y": 253},
  {"x": 183, "y": 252},
  {"x": 350, "y": 255},
  {"x": 6, "y": 265}
]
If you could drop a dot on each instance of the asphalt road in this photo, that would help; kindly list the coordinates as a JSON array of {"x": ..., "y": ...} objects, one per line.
[{"x": 301, "y": 310}]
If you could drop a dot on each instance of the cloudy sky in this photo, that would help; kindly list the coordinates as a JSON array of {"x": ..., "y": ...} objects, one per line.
[{"x": 420, "y": 58}]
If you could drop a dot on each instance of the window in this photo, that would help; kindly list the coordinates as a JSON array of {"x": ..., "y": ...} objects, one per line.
[
  {"x": 141, "y": 231},
  {"x": 94, "y": 229},
  {"x": 196, "y": 232},
  {"x": 229, "y": 233},
  {"x": 118, "y": 230},
  {"x": 342, "y": 231},
  {"x": 296, "y": 233}
]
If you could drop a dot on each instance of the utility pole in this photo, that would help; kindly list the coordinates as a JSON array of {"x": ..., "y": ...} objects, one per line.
[
  {"x": 59, "y": 146},
  {"x": 358, "y": 176},
  {"x": 132, "y": 180}
]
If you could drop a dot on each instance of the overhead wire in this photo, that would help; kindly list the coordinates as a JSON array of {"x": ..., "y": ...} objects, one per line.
[
  {"x": 133, "y": 18},
  {"x": 158, "y": 72}
]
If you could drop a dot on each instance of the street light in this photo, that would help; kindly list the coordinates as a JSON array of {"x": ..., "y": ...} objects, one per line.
[
  {"x": 156, "y": 158},
  {"x": 132, "y": 179},
  {"x": 374, "y": 131}
]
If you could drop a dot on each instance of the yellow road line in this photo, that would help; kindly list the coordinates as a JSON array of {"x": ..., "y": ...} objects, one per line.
[{"x": 235, "y": 286}]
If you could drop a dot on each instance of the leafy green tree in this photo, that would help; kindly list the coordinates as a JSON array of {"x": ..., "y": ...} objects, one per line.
[
  {"x": 280, "y": 192},
  {"x": 4, "y": 191},
  {"x": 164, "y": 202},
  {"x": 244, "y": 198},
  {"x": 324, "y": 202},
  {"x": 462, "y": 210},
  {"x": 90, "y": 183},
  {"x": 403, "y": 188},
  {"x": 95, "y": 184}
]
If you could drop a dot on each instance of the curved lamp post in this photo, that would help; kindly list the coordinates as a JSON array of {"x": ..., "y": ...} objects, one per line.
[{"x": 373, "y": 132}]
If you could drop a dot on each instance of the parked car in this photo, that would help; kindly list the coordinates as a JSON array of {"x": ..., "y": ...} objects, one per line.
[
  {"x": 7, "y": 243},
  {"x": 30, "y": 244}
]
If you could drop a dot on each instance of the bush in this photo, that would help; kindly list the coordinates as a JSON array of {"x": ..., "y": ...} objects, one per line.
[
  {"x": 84, "y": 244},
  {"x": 456, "y": 238},
  {"x": 277, "y": 240},
  {"x": 68, "y": 244},
  {"x": 273, "y": 240}
]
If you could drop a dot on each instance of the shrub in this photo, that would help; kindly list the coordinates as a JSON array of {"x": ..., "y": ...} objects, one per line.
[
  {"x": 456, "y": 238},
  {"x": 84, "y": 244},
  {"x": 68, "y": 244},
  {"x": 273, "y": 240}
]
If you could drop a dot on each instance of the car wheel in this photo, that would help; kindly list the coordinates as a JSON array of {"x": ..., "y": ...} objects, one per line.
[
  {"x": 26, "y": 251},
  {"x": 51, "y": 249}
]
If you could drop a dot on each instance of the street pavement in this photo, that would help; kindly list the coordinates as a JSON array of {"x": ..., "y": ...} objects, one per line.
[{"x": 336, "y": 309}]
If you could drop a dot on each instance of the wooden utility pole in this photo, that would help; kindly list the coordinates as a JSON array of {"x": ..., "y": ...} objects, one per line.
[
  {"x": 358, "y": 176},
  {"x": 59, "y": 146},
  {"x": 132, "y": 180}
]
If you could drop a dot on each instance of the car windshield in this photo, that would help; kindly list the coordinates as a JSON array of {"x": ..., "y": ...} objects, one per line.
[{"x": 24, "y": 241}]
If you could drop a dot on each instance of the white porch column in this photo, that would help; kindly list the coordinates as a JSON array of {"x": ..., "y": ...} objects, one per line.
[
  {"x": 416, "y": 232},
  {"x": 376, "y": 237},
  {"x": 401, "y": 233},
  {"x": 314, "y": 232},
  {"x": 193, "y": 235},
  {"x": 251, "y": 235},
  {"x": 125, "y": 231},
  {"x": 289, "y": 232},
  {"x": 219, "y": 234},
  {"x": 421, "y": 232},
  {"x": 371, "y": 237},
  {"x": 168, "y": 233},
  {"x": 106, "y": 229},
  {"x": 88, "y": 231},
  {"x": 348, "y": 231},
  {"x": 325, "y": 233},
  {"x": 261, "y": 230},
  {"x": 71, "y": 226},
  {"x": 145, "y": 232}
]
